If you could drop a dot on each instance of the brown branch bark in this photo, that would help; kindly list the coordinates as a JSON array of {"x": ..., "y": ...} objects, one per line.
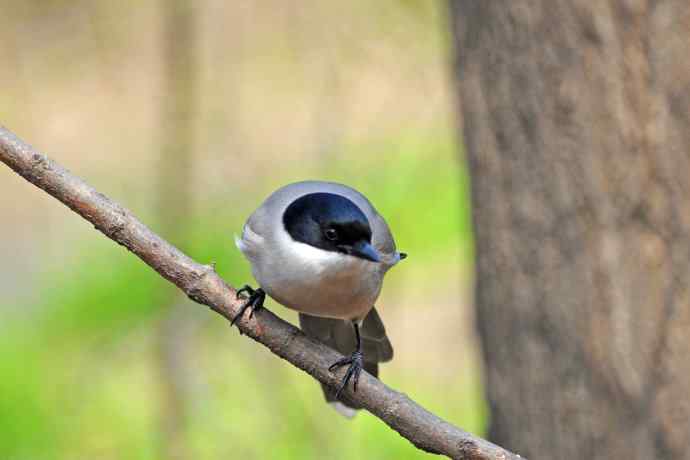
[{"x": 201, "y": 283}]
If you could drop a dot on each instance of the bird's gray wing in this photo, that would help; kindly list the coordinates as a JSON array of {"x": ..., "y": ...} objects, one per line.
[
  {"x": 340, "y": 336},
  {"x": 374, "y": 338}
]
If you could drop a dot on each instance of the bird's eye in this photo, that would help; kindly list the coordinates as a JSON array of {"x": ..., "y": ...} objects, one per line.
[{"x": 331, "y": 234}]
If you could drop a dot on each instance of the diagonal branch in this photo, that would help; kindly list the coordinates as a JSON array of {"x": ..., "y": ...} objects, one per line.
[{"x": 201, "y": 283}]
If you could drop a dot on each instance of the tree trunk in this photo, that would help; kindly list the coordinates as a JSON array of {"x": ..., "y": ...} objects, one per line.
[
  {"x": 179, "y": 84},
  {"x": 575, "y": 118}
]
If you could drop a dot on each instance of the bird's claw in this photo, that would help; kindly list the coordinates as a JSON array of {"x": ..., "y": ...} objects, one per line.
[
  {"x": 247, "y": 288},
  {"x": 356, "y": 362},
  {"x": 255, "y": 301}
]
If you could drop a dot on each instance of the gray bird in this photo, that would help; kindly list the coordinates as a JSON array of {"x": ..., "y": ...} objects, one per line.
[{"x": 322, "y": 249}]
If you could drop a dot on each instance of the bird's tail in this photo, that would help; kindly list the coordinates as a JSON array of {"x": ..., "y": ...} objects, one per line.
[{"x": 340, "y": 335}]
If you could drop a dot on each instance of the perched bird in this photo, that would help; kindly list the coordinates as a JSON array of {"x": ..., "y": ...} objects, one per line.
[{"x": 322, "y": 249}]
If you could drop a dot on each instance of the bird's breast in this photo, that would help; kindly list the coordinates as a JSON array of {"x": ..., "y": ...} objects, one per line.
[{"x": 321, "y": 283}]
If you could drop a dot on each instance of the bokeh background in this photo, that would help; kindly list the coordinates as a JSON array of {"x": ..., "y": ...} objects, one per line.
[{"x": 190, "y": 119}]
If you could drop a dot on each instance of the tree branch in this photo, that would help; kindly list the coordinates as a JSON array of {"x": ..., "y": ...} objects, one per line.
[{"x": 201, "y": 283}]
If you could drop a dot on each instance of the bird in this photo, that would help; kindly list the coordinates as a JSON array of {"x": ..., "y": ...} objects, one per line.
[{"x": 322, "y": 249}]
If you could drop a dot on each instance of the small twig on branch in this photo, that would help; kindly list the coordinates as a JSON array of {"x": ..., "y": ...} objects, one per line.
[{"x": 201, "y": 283}]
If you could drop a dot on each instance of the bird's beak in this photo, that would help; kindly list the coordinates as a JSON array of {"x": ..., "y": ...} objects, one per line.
[{"x": 365, "y": 251}]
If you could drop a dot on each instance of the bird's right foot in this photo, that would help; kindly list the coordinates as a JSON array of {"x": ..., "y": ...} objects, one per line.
[
  {"x": 356, "y": 364},
  {"x": 255, "y": 301}
]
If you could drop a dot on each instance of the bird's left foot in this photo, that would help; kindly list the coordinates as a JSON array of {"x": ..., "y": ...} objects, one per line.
[
  {"x": 255, "y": 301},
  {"x": 356, "y": 362}
]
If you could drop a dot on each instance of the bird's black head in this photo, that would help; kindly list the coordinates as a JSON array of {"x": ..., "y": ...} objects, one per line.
[{"x": 330, "y": 222}]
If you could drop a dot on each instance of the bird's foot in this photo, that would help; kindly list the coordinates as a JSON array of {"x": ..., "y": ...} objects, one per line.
[
  {"x": 356, "y": 362},
  {"x": 255, "y": 301}
]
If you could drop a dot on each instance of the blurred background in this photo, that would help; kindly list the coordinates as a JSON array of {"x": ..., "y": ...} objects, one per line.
[{"x": 190, "y": 116}]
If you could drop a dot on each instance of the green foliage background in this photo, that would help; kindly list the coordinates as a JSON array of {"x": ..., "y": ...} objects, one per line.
[{"x": 79, "y": 357}]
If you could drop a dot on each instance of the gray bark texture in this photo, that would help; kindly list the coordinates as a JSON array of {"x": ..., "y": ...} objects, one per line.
[{"x": 575, "y": 118}]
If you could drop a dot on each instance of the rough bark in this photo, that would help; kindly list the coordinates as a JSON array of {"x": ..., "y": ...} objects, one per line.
[
  {"x": 201, "y": 284},
  {"x": 575, "y": 117}
]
